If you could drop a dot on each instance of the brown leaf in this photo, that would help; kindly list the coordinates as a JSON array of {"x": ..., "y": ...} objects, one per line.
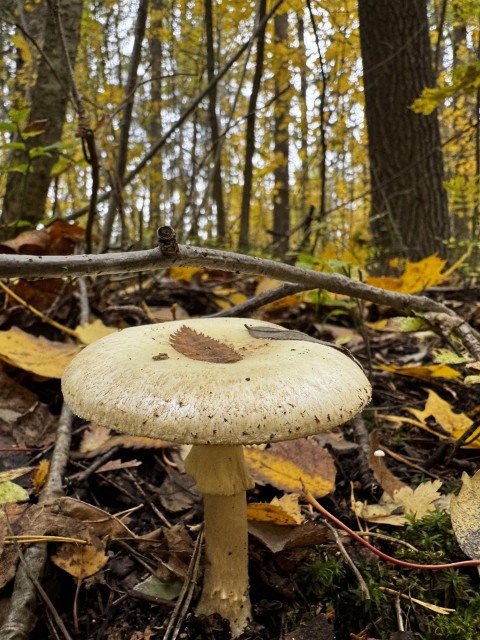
[
  {"x": 41, "y": 294},
  {"x": 278, "y": 538},
  {"x": 34, "y": 243},
  {"x": 37, "y": 126},
  {"x": 198, "y": 346},
  {"x": 64, "y": 237},
  {"x": 383, "y": 476},
  {"x": 285, "y": 465},
  {"x": 79, "y": 560}
]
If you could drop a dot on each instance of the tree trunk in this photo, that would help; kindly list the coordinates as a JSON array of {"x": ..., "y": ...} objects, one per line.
[
  {"x": 155, "y": 177},
  {"x": 217, "y": 190},
  {"x": 244, "y": 237},
  {"x": 26, "y": 194},
  {"x": 409, "y": 216},
  {"x": 115, "y": 201},
  {"x": 281, "y": 195}
]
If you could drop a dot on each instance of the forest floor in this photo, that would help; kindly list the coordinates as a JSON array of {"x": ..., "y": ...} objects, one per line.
[{"x": 389, "y": 474}]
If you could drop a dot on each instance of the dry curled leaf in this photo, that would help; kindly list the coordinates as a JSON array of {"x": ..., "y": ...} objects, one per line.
[
  {"x": 465, "y": 515},
  {"x": 198, "y": 346}
]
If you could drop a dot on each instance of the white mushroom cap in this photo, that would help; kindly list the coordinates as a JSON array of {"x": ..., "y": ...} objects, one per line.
[{"x": 173, "y": 381}]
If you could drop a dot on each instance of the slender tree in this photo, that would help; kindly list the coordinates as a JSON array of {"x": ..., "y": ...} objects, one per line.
[
  {"x": 409, "y": 214},
  {"x": 115, "y": 201},
  {"x": 244, "y": 236},
  {"x": 281, "y": 194}
]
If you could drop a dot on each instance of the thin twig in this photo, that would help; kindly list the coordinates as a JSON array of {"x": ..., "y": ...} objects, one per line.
[
  {"x": 349, "y": 561},
  {"x": 186, "y": 592}
]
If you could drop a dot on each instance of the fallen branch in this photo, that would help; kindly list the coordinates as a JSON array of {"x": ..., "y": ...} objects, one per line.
[
  {"x": 16, "y": 266},
  {"x": 21, "y": 618}
]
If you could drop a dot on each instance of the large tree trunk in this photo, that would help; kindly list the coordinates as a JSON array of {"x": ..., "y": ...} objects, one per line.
[
  {"x": 409, "y": 215},
  {"x": 26, "y": 194},
  {"x": 281, "y": 196}
]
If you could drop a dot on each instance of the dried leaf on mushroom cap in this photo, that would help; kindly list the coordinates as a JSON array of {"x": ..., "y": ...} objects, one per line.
[{"x": 213, "y": 384}]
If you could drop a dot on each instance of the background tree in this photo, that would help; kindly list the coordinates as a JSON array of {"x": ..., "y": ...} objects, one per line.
[
  {"x": 26, "y": 193},
  {"x": 409, "y": 215}
]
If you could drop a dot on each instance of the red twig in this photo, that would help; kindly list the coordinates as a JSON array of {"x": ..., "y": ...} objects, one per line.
[{"x": 307, "y": 497}]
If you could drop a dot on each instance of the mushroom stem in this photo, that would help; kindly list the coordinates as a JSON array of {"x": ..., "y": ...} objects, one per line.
[{"x": 221, "y": 475}]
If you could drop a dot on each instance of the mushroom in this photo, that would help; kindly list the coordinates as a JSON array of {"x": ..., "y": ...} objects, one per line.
[{"x": 213, "y": 384}]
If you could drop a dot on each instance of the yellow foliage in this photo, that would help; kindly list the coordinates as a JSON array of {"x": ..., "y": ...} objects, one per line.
[
  {"x": 423, "y": 372},
  {"x": 41, "y": 356},
  {"x": 417, "y": 275},
  {"x": 453, "y": 423}
]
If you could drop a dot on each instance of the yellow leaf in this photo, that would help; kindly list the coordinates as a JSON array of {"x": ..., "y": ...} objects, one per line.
[
  {"x": 266, "y": 284},
  {"x": 417, "y": 275},
  {"x": 40, "y": 474},
  {"x": 419, "y": 501},
  {"x": 81, "y": 561},
  {"x": 453, "y": 423},
  {"x": 93, "y": 331},
  {"x": 20, "y": 43},
  {"x": 423, "y": 372},
  {"x": 41, "y": 356},
  {"x": 283, "y": 511},
  {"x": 184, "y": 273},
  {"x": 285, "y": 465},
  {"x": 233, "y": 295}
]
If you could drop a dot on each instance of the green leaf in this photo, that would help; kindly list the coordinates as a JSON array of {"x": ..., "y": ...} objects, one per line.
[
  {"x": 7, "y": 127},
  {"x": 17, "y": 115},
  {"x": 152, "y": 586},
  {"x": 11, "y": 492},
  {"x": 13, "y": 145}
]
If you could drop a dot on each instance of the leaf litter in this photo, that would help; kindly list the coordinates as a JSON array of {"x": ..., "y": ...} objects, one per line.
[{"x": 126, "y": 534}]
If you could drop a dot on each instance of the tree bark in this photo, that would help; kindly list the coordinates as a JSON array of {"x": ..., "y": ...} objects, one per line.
[
  {"x": 244, "y": 236},
  {"x": 409, "y": 216},
  {"x": 281, "y": 196},
  {"x": 115, "y": 201},
  {"x": 26, "y": 194},
  {"x": 217, "y": 190}
]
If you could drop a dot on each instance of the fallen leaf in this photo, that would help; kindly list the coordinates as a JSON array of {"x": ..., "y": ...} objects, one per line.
[
  {"x": 81, "y": 561},
  {"x": 419, "y": 502},
  {"x": 266, "y": 284},
  {"x": 97, "y": 439},
  {"x": 12, "y": 492},
  {"x": 283, "y": 511},
  {"x": 453, "y": 423},
  {"x": 278, "y": 538},
  {"x": 41, "y": 294},
  {"x": 40, "y": 475},
  {"x": 44, "y": 357},
  {"x": 425, "y": 372},
  {"x": 33, "y": 243},
  {"x": 402, "y": 324},
  {"x": 64, "y": 237},
  {"x": 93, "y": 331},
  {"x": 184, "y": 273},
  {"x": 465, "y": 515},
  {"x": 386, "y": 479},
  {"x": 233, "y": 296},
  {"x": 285, "y": 465},
  {"x": 417, "y": 275},
  {"x": 166, "y": 590},
  {"x": 198, "y": 346},
  {"x": 13, "y": 474}
]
